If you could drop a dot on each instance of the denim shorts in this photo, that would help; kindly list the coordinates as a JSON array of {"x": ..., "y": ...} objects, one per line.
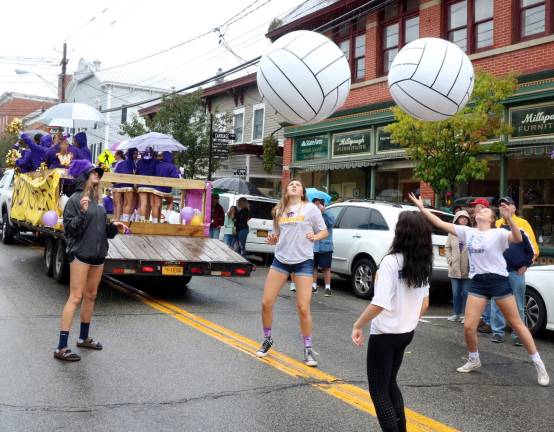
[
  {"x": 304, "y": 268},
  {"x": 490, "y": 286}
]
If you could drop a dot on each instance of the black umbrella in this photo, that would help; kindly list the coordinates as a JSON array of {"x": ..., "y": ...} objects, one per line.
[{"x": 238, "y": 185}]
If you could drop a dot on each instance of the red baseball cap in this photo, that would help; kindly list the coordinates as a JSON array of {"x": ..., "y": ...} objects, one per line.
[{"x": 481, "y": 201}]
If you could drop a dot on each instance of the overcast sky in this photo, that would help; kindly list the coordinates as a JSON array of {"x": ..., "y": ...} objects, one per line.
[{"x": 120, "y": 31}]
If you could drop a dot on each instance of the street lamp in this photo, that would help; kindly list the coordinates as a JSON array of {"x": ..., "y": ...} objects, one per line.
[{"x": 48, "y": 83}]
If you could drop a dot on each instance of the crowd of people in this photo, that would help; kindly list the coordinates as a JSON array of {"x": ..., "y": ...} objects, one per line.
[{"x": 234, "y": 223}]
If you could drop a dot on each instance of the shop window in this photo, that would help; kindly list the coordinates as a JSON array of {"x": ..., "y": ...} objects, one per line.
[
  {"x": 355, "y": 218},
  {"x": 350, "y": 37},
  {"x": 238, "y": 125},
  {"x": 470, "y": 24},
  {"x": 258, "y": 123},
  {"x": 534, "y": 18},
  {"x": 400, "y": 25}
]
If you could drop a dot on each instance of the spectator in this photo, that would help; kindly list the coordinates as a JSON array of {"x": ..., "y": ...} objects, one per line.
[
  {"x": 323, "y": 250},
  {"x": 519, "y": 257},
  {"x": 107, "y": 202},
  {"x": 218, "y": 217},
  {"x": 458, "y": 268},
  {"x": 241, "y": 223},
  {"x": 229, "y": 231}
]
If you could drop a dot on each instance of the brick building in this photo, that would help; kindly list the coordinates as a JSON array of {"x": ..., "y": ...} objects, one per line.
[
  {"x": 19, "y": 105},
  {"x": 500, "y": 36}
]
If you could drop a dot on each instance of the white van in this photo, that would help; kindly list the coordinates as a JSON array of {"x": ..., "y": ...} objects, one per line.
[{"x": 260, "y": 225}]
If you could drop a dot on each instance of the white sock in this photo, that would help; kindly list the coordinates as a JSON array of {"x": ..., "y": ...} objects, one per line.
[
  {"x": 292, "y": 285},
  {"x": 142, "y": 219},
  {"x": 125, "y": 217},
  {"x": 474, "y": 356},
  {"x": 314, "y": 285},
  {"x": 535, "y": 358},
  {"x": 328, "y": 286},
  {"x": 154, "y": 220}
]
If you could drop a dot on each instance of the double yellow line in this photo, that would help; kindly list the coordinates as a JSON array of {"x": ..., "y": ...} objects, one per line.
[{"x": 348, "y": 393}]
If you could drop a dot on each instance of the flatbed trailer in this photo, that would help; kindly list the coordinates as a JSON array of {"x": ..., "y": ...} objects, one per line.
[{"x": 169, "y": 254}]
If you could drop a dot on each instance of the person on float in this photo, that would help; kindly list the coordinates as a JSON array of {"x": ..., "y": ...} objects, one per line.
[
  {"x": 297, "y": 223},
  {"x": 62, "y": 154},
  {"x": 401, "y": 298},
  {"x": 164, "y": 168},
  {"x": 117, "y": 197},
  {"x": 489, "y": 279},
  {"x": 32, "y": 157},
  {"x": 46, "y": 141},
  {"x": 86, "y": 230},
  {"x": 127, "y": 205},
  {"x": 80, "y": 142},
  {"x": 146, "y": 166},
  {"x": 36, "y": 138}
]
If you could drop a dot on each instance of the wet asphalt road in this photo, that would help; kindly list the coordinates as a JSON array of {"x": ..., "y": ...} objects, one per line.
[{"x": 157, "y": 373}]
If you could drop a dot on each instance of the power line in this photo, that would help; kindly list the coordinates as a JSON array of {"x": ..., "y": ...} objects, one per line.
[{"x": 90, "y": 21}]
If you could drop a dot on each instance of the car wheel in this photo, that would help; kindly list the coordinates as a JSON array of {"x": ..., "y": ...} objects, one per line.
[
  {"x": 8, "y": 232},
  {"x": 535, "y": 311},
  {"x": 60, "y": 268},
  {"x": 363, "y": 275},
  {"x": 49, "y": 249}
]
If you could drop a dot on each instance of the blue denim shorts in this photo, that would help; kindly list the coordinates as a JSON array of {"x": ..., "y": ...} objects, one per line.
[
  {"x": 490, "y": 286},
  {"x": 304, "y": 268}
]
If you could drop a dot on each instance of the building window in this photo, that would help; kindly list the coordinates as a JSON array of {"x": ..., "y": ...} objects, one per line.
[
  {"x": 400, "y": 24},
  {"x": 470, "y": 24},
  {"x": 238, "y": 125},
  {"x": 258, "y": 123},
  {"x": 535, "y": 18},
  {"x": 350, "y": 37}
]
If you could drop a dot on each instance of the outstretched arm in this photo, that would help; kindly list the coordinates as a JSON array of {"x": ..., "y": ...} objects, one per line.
[
  {"x": 515, "y": 234},
  {"x": 435, "y": 220}
]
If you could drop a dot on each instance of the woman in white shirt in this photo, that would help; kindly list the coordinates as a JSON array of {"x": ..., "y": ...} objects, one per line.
[
  {"x": 401, "y": 297},
  {"x": 297, "y": 223},
  {"x": 489, "y": 279}
]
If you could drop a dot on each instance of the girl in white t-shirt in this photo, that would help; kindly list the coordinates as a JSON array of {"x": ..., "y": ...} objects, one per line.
[
  {"x": 489, "y": 279},
  {"x": 297, "y": 223},
  {"x": 401, "y": 297}
]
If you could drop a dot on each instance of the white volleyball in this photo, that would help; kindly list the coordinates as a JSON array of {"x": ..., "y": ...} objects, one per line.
[
  {"x": 304, "y": 76},
  {"x": 431, "y": 79}
]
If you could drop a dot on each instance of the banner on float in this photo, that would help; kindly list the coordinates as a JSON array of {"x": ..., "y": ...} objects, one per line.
[{"x": 34, "y": 195}]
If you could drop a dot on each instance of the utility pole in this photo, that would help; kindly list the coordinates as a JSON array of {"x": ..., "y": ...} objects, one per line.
[
  {"x": 211, "y": 147},
  {"x": 64, "y": 64}
]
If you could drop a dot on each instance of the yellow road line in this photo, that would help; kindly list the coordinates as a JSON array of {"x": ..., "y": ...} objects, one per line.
[{"x": 327, "y": 383}]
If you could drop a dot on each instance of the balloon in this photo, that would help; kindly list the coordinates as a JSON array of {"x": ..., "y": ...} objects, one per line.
[
  {"x": 50, "y": 218},
  {"x": 187, "y": 213},
  {"x": 62, "y": 202},
  {"x": 431, "y": 79},
  {"x": 196, "y": 220},
  {"x": 304, "y": 76}
]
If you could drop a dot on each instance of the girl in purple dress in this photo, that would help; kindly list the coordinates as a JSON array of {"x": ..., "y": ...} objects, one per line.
[
  {"x": 127, "y": 166},
  {"x": 33, "y": 156},
  {"x": 61, "y": 155},
  {"x": 164, "y": 168},
  {"x": 147, "y": 167},
  {"x": 80, "y": 142}
]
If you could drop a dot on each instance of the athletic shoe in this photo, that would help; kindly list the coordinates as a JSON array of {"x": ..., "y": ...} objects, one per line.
[
  {"x": 517, "y": 342},
  {"x": 542, "y": 376},
  {"x": 496, "y": 338},
  {"x": 266, "y": 346},
  {"x": 483, "y": 327},
  {"x": 327, "y": 292},
  {"x": 309, "y": 358},
  {"x": 454, "y": 318},
  {"x": 314, "y": 289},
  {"x": 470, "y": 366},
  {"x": 292, "y": 287}
]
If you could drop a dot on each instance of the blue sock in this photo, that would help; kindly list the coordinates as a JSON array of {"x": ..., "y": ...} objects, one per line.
[
  {"x": 64, "y": 335},
  {"x": 84, "y": 330},
  {"x": 307, "y": 341}
]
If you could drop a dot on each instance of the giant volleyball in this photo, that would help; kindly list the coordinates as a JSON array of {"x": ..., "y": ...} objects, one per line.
[
  {"x": 431, "y": 79},
  {"x": 304, "y": 76}
]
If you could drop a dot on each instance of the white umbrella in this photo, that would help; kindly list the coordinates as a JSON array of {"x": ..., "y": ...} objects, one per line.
[
  {"x": 158, "y": 141},
  {"x": 71, "y": 115}
]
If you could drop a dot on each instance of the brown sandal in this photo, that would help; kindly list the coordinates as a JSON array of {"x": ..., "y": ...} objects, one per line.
[
  {"x": 90, "y": 344},
  {"x": 65, "y": 354}
]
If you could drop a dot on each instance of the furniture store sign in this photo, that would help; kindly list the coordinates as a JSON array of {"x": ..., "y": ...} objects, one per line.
[
  {"x": 532, "y": 121},
  {"x": 352, "y": 143},
  {"x": 314, "y": 147}
]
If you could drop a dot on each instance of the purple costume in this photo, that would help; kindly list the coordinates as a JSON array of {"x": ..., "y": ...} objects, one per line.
[
  {"x": 80, "y": 142},
  {"x": 54, "y": 159},
  {"x": 46, "y": 141},
  {"x": 126, "y": 166},
  {"x": 165, "y": 168},
  {"x": 32, "y": 157},
  {"x": 147, "y": 167}
]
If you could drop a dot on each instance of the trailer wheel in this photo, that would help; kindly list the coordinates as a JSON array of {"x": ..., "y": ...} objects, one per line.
[
  {"x": 8, "y": 232},
  {"x": 60, "y": 269},
  {"x": 49, "y": 250}
]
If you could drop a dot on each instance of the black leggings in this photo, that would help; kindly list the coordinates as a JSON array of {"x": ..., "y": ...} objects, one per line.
[{"x": 384, "y": 357}]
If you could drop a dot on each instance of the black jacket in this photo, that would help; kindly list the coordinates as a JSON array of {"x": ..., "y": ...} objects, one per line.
[
  {"x": 519, "y": 254},
  {"x": 241, "y": 219},
  {"x": 86, "y": 233}
]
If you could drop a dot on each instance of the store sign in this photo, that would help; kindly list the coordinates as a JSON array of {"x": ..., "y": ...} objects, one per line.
[
  {"x": 535, "y": 121},
  {"x": 314, "y": 147},
  {"x": 384, "y": 142},
  {"x": 352, "y": 143}
]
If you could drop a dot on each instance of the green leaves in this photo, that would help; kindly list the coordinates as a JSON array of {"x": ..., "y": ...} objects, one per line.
[{"x": 270, "y": 145}]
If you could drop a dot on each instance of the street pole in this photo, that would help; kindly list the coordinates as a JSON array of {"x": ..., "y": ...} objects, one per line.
[
  {"x": 64, "y": 64},
  {"x": 211, "y": 147}
]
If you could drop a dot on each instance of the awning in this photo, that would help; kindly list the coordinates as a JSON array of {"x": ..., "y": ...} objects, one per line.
[{"x": 331, "y": 165}]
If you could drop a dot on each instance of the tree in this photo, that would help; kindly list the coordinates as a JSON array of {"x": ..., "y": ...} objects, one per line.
[
  {"x": 185, "y": 118},
  {"x": 7, "y": 140},
  {"x": 451, "y": 151}
]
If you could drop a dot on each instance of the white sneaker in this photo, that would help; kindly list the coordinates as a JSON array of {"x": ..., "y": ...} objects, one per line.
[
  {"x": 470, "y": 366},
  {"x": 292, "y": 287},
  {"x": 454, "y": 318},
  {"x": 542, "y": 376},
  {"x": 309, "y": 357}
]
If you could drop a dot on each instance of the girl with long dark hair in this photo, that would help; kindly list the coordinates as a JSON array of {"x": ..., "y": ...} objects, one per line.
[
  {"x": 401, "y": 297},
  {"x": 297, "y": 223},
  {"x": 489, "y": 279}
]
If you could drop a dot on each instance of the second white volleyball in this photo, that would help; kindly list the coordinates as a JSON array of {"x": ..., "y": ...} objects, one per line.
[
  {"x": 431, "y": 79},
  {"x": 304, "y": 76}
]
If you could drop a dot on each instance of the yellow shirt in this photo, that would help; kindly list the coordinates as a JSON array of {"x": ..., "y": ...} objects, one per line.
[{"x": 524, "y": 225}]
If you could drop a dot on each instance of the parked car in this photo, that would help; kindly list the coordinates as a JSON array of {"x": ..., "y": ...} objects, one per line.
[
  {"x": 539, "y": 296},
  {"x": 362, "y": 236},
  {"x": 6, "y": 186}
]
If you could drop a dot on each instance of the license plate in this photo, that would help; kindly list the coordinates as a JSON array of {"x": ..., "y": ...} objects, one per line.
[
  {"x": 262, "y": 233},
  {"x": 442, "y": 251},
  {"x": 216, "y": 273},
  {"x": 172, "y": 271}
]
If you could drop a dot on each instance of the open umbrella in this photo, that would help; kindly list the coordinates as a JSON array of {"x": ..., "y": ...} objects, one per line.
[
  {"x": 115, "y": 146},
  {"x": 313, "y": 193},
  {"x": 71, "y": 115},
  {"x": 235, "y": 184},
  {"x": 158, "y": 141}
]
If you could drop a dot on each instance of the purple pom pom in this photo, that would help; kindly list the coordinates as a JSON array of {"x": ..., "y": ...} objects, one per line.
[{"x": 78, "y": 167}]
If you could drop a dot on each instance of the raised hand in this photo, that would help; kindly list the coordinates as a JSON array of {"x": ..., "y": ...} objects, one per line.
[{"x": 417, "y": 201}]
